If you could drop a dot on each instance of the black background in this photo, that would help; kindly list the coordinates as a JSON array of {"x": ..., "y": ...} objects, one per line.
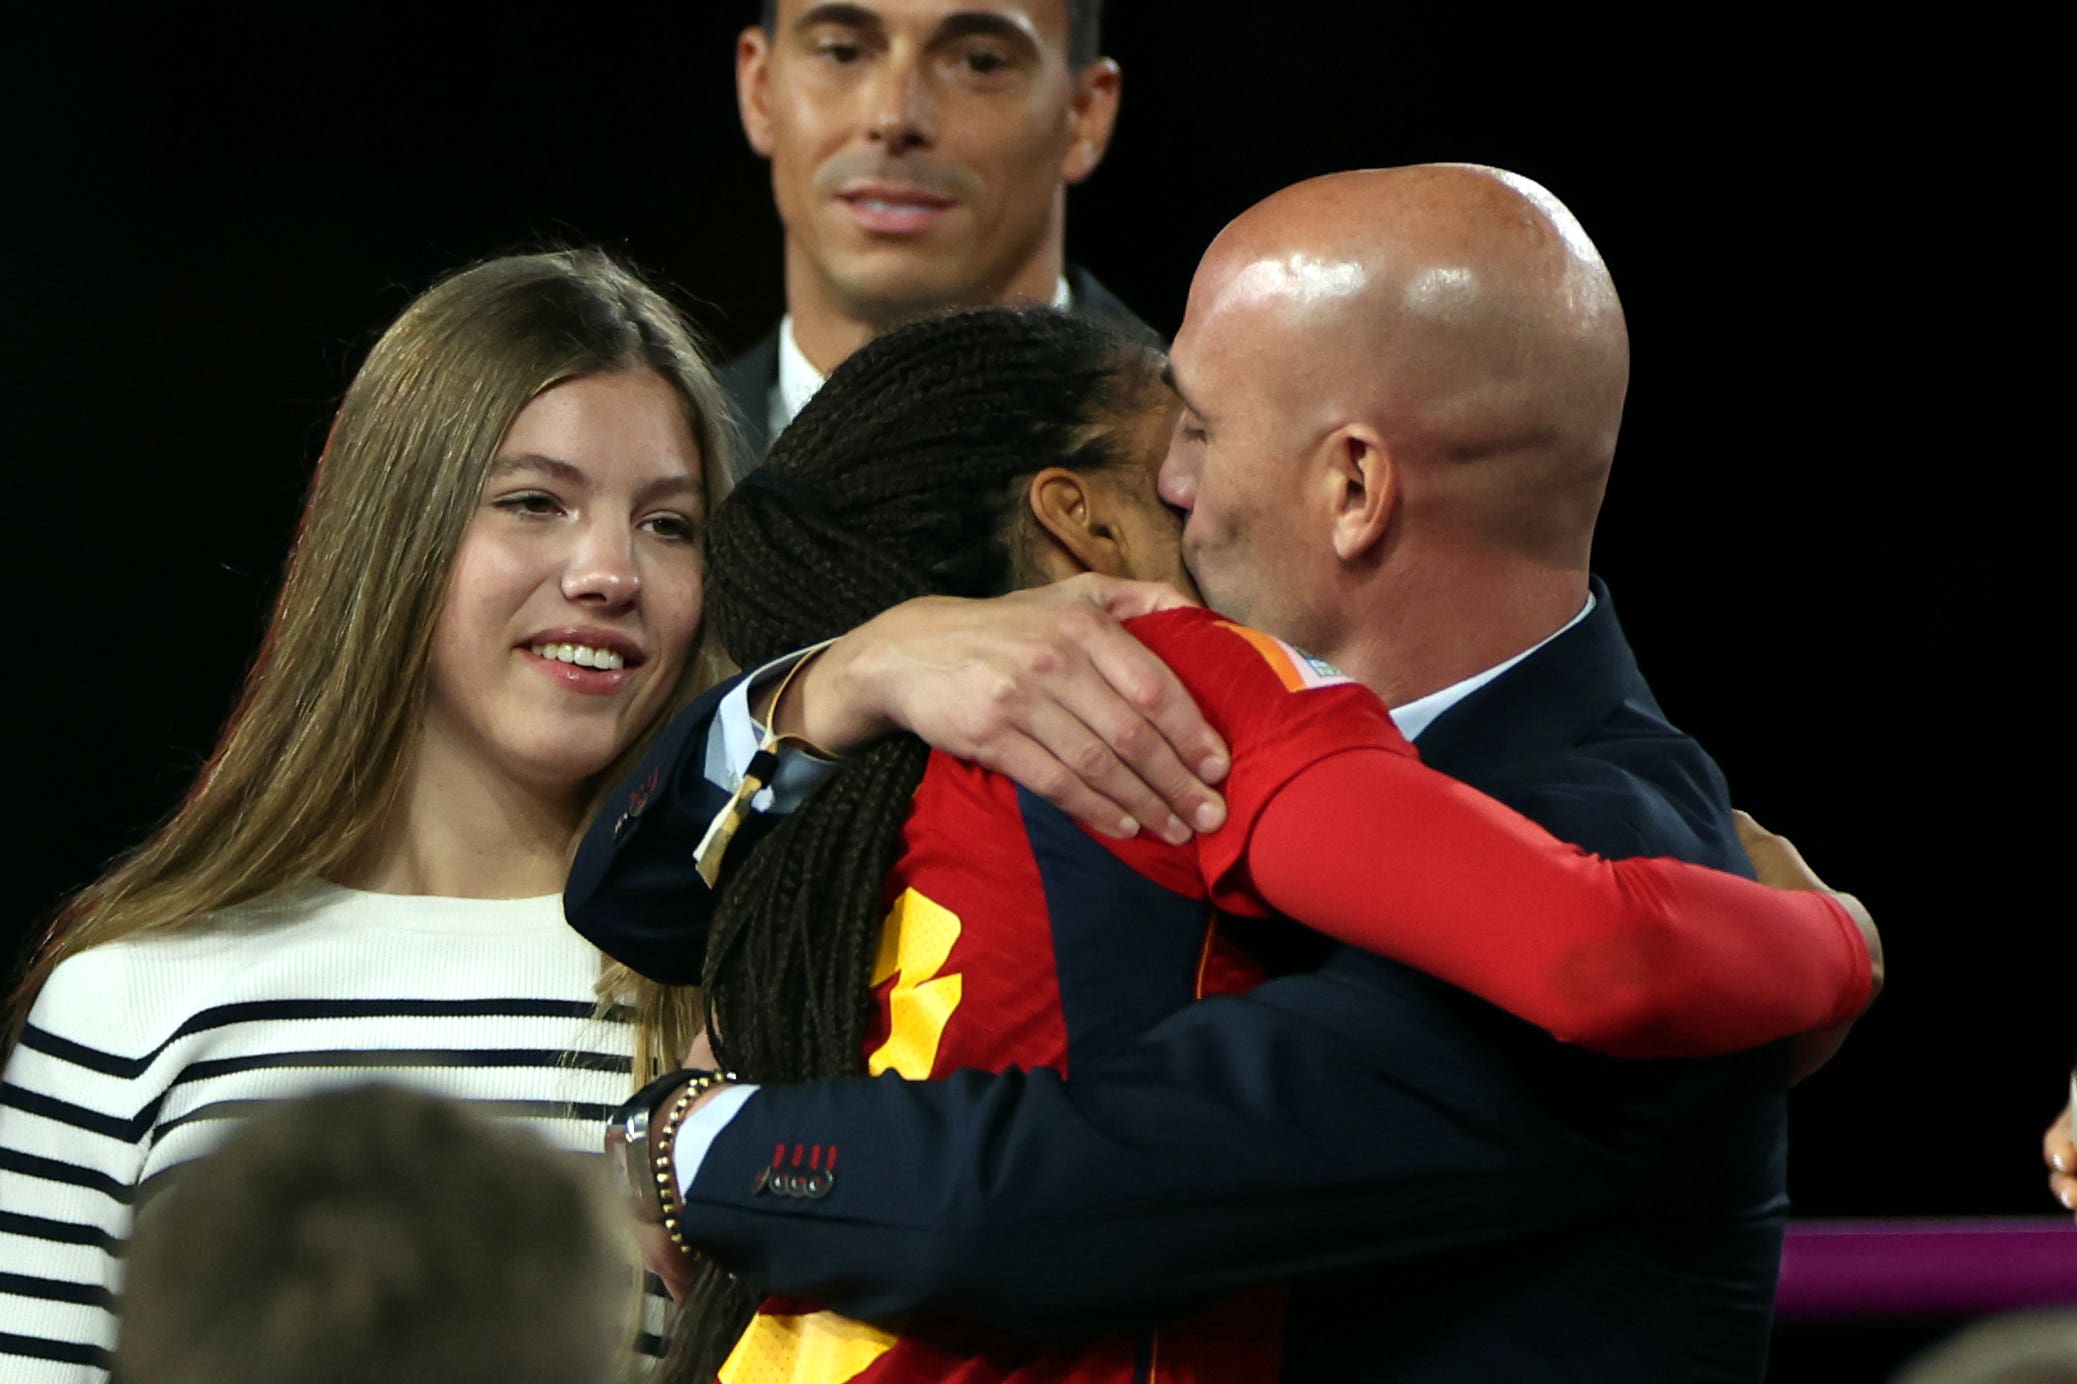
[{"x": 1812, "y": 533}]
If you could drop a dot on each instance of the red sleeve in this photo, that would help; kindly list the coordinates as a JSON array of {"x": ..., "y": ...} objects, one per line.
[
  {"x": 1279, "y": 711},
  {"x": 1334, "y": 822},
  {"x": 1634, "y": 958}
]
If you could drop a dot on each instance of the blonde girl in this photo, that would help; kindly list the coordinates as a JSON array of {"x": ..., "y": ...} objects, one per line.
[{"x": 493, "y": 596}]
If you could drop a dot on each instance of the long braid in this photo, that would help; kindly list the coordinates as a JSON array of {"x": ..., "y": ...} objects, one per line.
[{"x": 895, "y": 482}]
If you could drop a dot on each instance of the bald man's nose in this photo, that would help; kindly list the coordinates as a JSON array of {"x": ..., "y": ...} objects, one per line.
[{"x": 1177, "y": 483}]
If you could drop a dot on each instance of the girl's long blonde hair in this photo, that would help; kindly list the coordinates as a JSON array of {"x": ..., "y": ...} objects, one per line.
[{"x": 319, "y": 746}]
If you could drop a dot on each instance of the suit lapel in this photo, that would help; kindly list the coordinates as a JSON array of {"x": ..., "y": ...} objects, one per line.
[
  {"x": 1545, "y": 703},
  {"x": 748, "y": 381},
  {"x": 1093, "y": 300}
]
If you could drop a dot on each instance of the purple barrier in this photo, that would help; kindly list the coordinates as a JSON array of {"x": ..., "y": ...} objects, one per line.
[{"x": 1946, "y": 1268}]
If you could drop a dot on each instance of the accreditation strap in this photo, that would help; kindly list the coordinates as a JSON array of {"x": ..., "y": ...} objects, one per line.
[{"x": 706, "y": 857}]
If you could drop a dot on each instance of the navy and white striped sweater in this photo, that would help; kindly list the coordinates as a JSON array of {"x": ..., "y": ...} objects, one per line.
[{"x": 142, "y": 1054}]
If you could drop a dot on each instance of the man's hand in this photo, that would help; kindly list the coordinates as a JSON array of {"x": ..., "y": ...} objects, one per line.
[
  {"x": 1779, "y": 865},
  {"x": 2059, "y": 1151},
  {"x": 664, "y": 1259},
  {"x": 1043, "y": 686}
]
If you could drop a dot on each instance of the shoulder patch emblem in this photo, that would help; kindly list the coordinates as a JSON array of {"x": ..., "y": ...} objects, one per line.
[{"x": 1295, "y": 668}]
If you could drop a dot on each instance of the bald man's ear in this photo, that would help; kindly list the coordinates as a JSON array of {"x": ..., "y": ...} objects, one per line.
[
  {"x": 1364, "y": 482},
  {"x": 1070, "y": 512},
  {"x": 753, "y": 92},
  {"x": 1091, "y": 119}
]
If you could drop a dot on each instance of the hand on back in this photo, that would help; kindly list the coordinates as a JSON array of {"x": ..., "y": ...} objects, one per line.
[
  {"x": 2059, "y": 1151},
  {"x": 1778, "y": 864}
]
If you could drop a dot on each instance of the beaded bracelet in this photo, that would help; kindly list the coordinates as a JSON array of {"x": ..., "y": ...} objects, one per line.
[{"x": 666, "y": 1170}]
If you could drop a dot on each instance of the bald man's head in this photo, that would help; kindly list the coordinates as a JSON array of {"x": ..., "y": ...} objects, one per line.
[{"x": 1455, "y": 319}]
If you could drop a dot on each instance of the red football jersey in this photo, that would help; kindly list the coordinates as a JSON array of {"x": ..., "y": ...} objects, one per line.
[{"x": 1014, "y": 938}]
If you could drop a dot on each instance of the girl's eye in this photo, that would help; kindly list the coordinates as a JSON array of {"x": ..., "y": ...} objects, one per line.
[
  {"x": 675, "y": 527},
  {"x": 531, "y": 504}
]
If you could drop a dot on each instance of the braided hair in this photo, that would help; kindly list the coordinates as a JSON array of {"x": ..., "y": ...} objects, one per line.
[{"x": 904, "y": 476}]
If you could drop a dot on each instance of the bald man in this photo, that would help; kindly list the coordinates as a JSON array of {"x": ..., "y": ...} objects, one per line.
[
  {"x": 1397, "y": 432},
  {"x": 1401, "y": 395}
]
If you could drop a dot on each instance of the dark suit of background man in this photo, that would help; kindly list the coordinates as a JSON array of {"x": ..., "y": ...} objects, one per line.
[
  {"x": 921, "y": 153},
  {"x": 1402, "y": 390}
]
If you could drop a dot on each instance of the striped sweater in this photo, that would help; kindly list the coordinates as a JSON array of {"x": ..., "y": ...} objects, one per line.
[{"x": 142, "y": 1054}]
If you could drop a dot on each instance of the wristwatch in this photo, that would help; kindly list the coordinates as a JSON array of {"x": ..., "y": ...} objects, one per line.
[{"x": 628, "y": 1139}]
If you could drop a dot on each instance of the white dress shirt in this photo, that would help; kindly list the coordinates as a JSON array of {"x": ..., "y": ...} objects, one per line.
[{"x": 1421, "y": 713}]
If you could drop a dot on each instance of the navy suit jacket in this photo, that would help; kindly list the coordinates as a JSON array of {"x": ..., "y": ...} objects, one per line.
[
  {"x": 1452, "y": 1194},
  {"x": 748, "y": 379}
]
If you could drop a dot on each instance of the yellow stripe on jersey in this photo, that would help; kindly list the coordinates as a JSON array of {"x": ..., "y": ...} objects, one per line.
[
  {"x": 915, "y": 942},
  {"x": 814, "y": 1348},
  {"x": 1204, "y": 957}
]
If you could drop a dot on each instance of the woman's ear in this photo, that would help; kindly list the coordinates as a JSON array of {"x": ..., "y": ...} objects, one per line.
[{"x": 1076, "y": 536}]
